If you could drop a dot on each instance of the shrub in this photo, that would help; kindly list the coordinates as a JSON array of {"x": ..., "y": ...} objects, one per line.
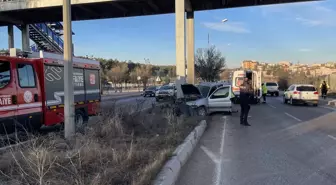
[{"x": 118, "y": 147}]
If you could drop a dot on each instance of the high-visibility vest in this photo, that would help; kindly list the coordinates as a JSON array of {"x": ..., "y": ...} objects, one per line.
[
  {"x": 322, "y": 85},
  {"x": 264, "y": 89}
]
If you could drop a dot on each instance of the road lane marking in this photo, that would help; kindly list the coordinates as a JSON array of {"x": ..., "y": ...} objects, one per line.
[
  {"x": 332, "y": 137},
  {"x": 297, "y": 119},
  {"x": 210, "y": 154},
  {"x": 218, "y": 169},
  {"x": 271, "y": 106}
]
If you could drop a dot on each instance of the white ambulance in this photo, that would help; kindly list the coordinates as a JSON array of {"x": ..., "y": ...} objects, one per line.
[{"x": 254, "y": 76}]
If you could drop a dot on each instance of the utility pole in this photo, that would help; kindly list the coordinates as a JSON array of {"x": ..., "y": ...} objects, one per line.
[
  {"x": 208, "y": 39},
  {"x": 69, "y": 110}
]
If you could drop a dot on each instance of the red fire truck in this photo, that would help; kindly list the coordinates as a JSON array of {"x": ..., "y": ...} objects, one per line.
[{"x": 32, "y": 90}]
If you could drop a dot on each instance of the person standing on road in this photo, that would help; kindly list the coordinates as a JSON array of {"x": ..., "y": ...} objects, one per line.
[
  {"x": 324, "y": 89},
  {"x": 245, "y": 95},
  {"x": 264, "y": 91}
]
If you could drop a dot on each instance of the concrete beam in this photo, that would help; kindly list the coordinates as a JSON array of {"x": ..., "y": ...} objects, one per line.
[
  {"x": 5, "y": 18},
  {"x": 32, "y": 4},
  {"x": 188, "y": 6},
  {"x": 190, "y": 48},
  {"x": 10, "y": 36},
  {"x": 153, "y": 5},
  {"x": 25, "y": 37},
  {"x": 88, "y": 10},
  {"x": 119, "y": 7}
]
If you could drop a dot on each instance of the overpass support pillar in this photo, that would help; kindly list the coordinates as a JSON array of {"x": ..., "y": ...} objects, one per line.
[
  {"x": 10, "y": 36},
  {"x": 25, "y": 38},
  {"x": 190, "y": 48},
  {"x": 180, "y": 45}
]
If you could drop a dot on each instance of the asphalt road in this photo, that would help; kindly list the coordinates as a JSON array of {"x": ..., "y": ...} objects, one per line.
[{"x": 286, "y": 145}]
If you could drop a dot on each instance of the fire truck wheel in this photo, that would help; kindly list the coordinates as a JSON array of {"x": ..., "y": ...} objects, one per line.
[{"x": 79, "y": 118}]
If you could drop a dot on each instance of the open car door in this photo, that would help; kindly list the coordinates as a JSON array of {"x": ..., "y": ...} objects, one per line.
[{"x": 220, "y": 99}]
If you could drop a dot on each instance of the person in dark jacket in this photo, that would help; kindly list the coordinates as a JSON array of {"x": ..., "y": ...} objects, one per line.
[
  {"x": 324, "y": 89},
  {"x": 245, "y": 95}
]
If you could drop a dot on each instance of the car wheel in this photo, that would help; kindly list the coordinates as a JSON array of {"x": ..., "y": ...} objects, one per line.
[
  {"x": 291, "y": 101},
  {"x": 315, "y": 104},
  {"x": 284, "y": 100},
  {"x": 144, "y": 95},
  {"x": 277, "y": 94},
  {"x": 201, "y": 111},
  {"x": 79, "y": 118}
]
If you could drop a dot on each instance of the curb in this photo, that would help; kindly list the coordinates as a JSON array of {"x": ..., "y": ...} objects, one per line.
[
  {"x": 332, "y": 103},
  {"x": 171, "y": 170}
]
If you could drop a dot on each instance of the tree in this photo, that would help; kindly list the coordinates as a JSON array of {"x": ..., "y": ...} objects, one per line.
[
  {"x": 172, "y": 72},
  {"x": 225, "y": 75},
  {"x": 133, "y": 76},
  {"x": 166, "y": 80},
  {"x": 209, "y": 63},
  {"x": 283, "y": 82},
  {"x": 145, "y": 72},
  {"x": 308, "y": 73},
  {"x": 117, "y": 73}
]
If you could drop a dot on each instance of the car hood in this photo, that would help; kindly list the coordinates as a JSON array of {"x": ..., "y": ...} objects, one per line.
[{"x": 189, "y": 89}]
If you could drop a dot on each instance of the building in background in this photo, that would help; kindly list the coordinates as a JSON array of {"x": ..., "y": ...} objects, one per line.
[{"x": 249, "y": 64}]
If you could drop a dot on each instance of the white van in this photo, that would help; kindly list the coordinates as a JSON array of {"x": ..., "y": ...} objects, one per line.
[{"x": 254, "y": 76}]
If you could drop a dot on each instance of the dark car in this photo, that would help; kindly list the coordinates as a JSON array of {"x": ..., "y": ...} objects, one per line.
[{"x": 150, "y": 91}]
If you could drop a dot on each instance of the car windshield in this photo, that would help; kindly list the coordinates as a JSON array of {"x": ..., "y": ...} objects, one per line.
[
  {"x": 305, "y": 88},
  {"x": 271, "y": 84},
  {"x": 204, "y": 90},
  {"x": 167, "y": 87},
  {"x": 151, "y": 88}
]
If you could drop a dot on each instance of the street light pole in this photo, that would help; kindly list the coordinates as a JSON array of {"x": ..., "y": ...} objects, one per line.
[
  {"x": 208, "y": 39},
  {"x": 224, "y": 20},
  {"x": 69, "y": 110}
]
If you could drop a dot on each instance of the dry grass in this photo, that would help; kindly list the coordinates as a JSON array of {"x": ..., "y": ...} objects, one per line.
[{"x": 118, "y": 149}]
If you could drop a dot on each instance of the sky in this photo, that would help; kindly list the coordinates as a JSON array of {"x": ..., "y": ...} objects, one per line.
[{"x": 296, "y": 32}]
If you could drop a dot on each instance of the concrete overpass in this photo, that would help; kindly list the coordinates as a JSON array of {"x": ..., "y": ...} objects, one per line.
[
  {"x": 41, "y": 11},
  {"x": 20, "y": 12}
]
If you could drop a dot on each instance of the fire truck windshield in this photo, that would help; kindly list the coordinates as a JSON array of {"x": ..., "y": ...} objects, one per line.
[{"x": 4, "y": 74}]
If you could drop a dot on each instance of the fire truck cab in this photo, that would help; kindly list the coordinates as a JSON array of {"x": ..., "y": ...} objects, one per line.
[{"x": 32, "y": 90}]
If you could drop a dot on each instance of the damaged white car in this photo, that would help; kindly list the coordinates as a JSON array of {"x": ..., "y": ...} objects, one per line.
[{"x": 208, "y": 98}]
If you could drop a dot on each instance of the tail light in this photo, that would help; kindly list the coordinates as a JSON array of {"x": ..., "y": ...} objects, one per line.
[
  {"x": 315, "y": 92},
  {"x": 296, "y": 92}
]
